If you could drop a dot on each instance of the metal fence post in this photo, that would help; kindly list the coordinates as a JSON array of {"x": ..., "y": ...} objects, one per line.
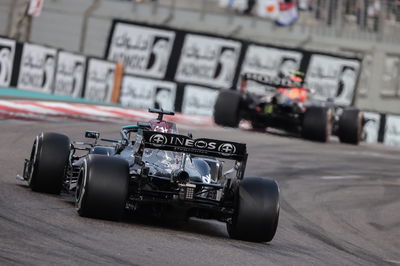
[
  {"x": 339, "y": 18},
  {"x": 365, "y": 14},
  {"x": 318, "y": 10},
  {"x": 28, "y": 28},
  {"x": 171, "y": 14},
  {"x": 10, "y": 19},
  {"x": 331, "y": 8},
  {"x": 88, "y": 12},
  {"x": 24, "y": 21},
  {"x": 381, "y": 22}
]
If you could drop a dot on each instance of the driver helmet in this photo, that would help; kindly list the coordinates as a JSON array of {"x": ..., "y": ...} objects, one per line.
[
  {"x": 297, "y": 76},
  {"x": 163, "y": 126}
]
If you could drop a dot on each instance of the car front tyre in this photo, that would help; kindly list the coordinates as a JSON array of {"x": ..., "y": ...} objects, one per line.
[{"x": 49, "y": 160}]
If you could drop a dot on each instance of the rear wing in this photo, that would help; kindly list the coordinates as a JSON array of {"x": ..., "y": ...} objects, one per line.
[
  {"x": 208, "y": 147},
  {"x": 272, "y": 81}
]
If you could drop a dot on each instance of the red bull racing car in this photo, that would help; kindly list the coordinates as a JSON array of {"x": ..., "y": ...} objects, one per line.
[
  {"x": 286, "y": 104},
  {"x": 153, "y": 168}
]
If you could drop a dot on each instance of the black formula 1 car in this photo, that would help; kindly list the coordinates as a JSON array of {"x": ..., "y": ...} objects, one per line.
[
  {"x": 286, "y": 104},
  {"x": 155, "y": 169}
]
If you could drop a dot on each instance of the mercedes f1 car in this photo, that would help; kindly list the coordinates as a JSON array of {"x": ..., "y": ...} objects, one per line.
[
  {"x": 286, "y": 104},
  {"x": 154, "y": 168}
]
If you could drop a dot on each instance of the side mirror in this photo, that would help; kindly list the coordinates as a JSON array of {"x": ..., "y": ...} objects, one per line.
[{"x": 92, "y": 134}]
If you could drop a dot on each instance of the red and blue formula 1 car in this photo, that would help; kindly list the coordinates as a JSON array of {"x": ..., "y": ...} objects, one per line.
[{"x": 287, "y": 104}]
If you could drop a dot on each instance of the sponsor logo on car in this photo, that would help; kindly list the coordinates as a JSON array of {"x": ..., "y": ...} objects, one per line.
[
  {"x": 185, "y": 142},
  {"x": 158, "y": 139},
  {"x": 227, "y": 148}
]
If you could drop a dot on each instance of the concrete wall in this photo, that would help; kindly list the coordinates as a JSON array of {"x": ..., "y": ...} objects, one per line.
[{"x": 62, "y": 21}]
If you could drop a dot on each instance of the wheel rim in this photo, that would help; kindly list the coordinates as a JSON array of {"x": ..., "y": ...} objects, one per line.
[{"x": 80, "y": 188}]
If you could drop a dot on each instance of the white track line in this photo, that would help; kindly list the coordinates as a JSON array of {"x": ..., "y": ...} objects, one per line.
[
  {"x": 340, "y": 177},
  {"x": 33, "y": 109},
  {"x": 76, "y": 111}
]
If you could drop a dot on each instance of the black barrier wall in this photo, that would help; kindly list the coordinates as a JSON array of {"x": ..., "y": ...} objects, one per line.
[
  {"x": 179, "y": 70},
  {"x": 99, "y": 81},
  {"x": 144, "y": 93},
  {"x": 7, "y": 56},
  {"x": 215, "y": 62},
  {"x": 45, "y": 69},
  {"x": 37, "y": 68},
  {"x": 70, "y": 74}
]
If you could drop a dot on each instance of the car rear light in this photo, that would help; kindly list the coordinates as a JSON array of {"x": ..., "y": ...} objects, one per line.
[{"x": 186, "y": 192}]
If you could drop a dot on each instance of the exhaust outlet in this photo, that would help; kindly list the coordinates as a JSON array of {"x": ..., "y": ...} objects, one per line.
[{"x": 180, "y": 177}]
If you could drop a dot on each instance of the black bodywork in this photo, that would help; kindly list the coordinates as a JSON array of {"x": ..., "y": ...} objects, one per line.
[
  {"x": 169, "y": 186},
  {"x": 285, "y": 113},
  {"x": 185, "y": 187},
  {"x": 155, "y": 170}
]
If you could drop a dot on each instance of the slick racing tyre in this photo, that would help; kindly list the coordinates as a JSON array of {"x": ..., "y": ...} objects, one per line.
[
  {"x": 49, "y": 160},
  {"x": 256, "y": 210},
  {"x": 350, "y": 126},
  {"x": 102, "y": 187},
  {"x": 317, "y": 124},
  {"x": 227, "y": 108}
]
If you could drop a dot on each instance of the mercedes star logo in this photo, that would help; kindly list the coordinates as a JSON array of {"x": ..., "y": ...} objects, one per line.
[
  {"x": 158, "y": 139},
  {"x": 227, "y": 148}
]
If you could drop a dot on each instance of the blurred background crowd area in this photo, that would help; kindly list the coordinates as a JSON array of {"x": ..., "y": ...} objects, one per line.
[
  {"x": 366, "y": 20},
  {"x": 368, "y": 30},
  {"x": 365, "y": 14}
]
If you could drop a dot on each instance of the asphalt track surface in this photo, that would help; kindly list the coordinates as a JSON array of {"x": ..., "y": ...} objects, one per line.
[{"x": 339, "y": 206}]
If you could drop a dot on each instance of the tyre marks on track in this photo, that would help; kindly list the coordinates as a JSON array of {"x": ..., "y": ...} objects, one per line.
[{"x": 316, "y": 232}]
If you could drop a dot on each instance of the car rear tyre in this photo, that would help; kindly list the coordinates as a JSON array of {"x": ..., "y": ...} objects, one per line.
[
  {"x": 102, "y": 187},
  {"x": 256, "y": 210},
  {"x": 227, "y": 108},
  {"x": 49, "y": 159},
  {"x": 350, "y": 126},
  {"x": 317, "y": 124}
]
